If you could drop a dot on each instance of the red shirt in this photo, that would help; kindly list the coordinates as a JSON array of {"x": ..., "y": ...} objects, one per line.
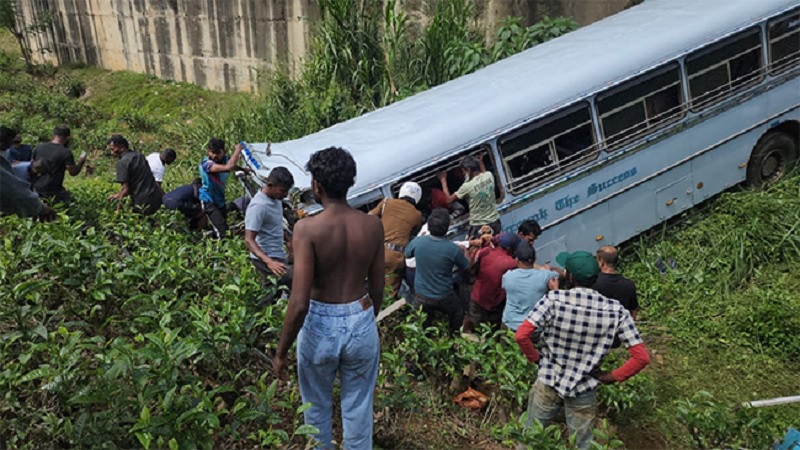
[
  {"x": 438, "y": 199},
  {"x": 488, "y": 290}
]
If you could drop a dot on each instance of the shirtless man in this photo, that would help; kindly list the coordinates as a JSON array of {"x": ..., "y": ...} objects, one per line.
[{"x": 334, "y": 252}]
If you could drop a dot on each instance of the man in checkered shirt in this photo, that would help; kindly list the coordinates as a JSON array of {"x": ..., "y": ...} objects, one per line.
[{"x": 579, "y": 326}]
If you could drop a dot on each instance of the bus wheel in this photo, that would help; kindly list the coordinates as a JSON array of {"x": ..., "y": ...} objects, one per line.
[{"x": 774, "y": 155}]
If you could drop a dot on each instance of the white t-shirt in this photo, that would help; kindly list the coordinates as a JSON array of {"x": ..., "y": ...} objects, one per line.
[{"x": 156, "y": 166}]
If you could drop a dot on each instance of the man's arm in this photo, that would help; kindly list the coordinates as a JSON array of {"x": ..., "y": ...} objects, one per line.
[
  {"x": 300, "y": 296},
  {"x": 75, "y": 169},
  {"x": 480, "y": 161},
  {"x": 523, "y": 337},
  {"x": 231, "y": 164},
  {"x": 276, "y": 267},
  {"x": 640, "y": 355},
  {"x": 376, "y": 275},
  {"x": 442, "y": 176},
  {"x": 124, "y": 190}
]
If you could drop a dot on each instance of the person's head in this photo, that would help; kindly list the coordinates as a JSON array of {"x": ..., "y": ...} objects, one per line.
[
  {"x": 168, "y": 156},
  {"x": 581, "y": 267},
  {"x": 279, "y": 181},
  {"x": 117, "y": 144},
  {"x": 333, "y": 172},
  {"x": 508, "y": 242},
  {"x": 525, "y": 255},
  {"x": 411, "y": 192},
  {"x": 6, "y": 137},
  {"x": 17, "y": 141},
  {"x": 439, "y": 222},
  {"x": 608, "y": 258},
  {"x": 61, "y": 135},
  {"x": 216, "y": 150},
  {"x": 470, "y": 165},
  {"x": 36, "y": 167},
  {"x": 529, "y": 230}
]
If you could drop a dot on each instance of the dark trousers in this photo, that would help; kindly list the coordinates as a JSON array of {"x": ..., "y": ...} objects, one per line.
[
  {"x": 218, "y": 218},
  {"x": 450, "y": 305}
]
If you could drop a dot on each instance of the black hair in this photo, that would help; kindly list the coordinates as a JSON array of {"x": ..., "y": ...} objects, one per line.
[
  {"x": 170, "y": 154},
  {"x": 280, "y": 176},
  {"x": 525, "y": 252},
  {"x": 6, "y": 136},
  {"x": 216, "y": 146},
  {"x": 334, "y": 169},
  {"x": 529, "y": 226},
  {"x": 470, "y": 163},
  {"x": 584, "y": 283},
  {"x": 118, "y": 141},
  {"x": 439, "y": 222},
  {"x": 61, "y": 131}
]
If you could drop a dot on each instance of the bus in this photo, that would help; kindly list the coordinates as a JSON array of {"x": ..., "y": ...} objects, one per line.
[{"x": 599, "y": 134}]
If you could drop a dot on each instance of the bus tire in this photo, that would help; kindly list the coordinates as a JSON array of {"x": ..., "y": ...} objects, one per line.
[{"x": 773, "y": 157}]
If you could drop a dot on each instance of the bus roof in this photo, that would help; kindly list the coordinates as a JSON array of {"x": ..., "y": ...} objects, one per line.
[{"x": 390, "y": 141}]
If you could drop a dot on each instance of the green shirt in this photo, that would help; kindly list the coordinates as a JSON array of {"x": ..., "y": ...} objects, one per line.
[{"x": 479, "y": 193}]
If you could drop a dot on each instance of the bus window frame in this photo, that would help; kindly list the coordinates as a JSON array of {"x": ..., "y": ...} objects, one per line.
[
  {"x": 518, "y": 185},
  {"x": 664, "y": 122},
  {"x": 794, "y": 61},
  {"x": 753, "y": 78},
  {"x": 450, "y": 163}
]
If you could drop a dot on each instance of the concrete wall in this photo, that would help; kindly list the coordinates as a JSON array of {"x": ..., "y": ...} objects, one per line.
[{"x": 222, "y": 44}]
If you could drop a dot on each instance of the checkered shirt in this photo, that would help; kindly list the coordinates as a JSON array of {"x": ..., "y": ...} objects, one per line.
[{"x": 578, "y": 327}]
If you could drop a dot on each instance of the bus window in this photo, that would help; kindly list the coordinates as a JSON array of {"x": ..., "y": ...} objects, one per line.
[
  {"x": 784, "y": 41},
  {"x": 427, "y": 180},
  {"x": 548, "y": 147},
  {"x": 647, "y": 103},
  {"x": 724, "y": 68}
]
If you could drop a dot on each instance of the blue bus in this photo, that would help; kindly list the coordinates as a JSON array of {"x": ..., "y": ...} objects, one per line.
[{"x": 600, "y": 134}]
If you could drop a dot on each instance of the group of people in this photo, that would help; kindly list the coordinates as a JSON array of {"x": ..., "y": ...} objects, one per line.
[
  {"x": 575, "y": 314},
  {"x": 565, "y": 319}
]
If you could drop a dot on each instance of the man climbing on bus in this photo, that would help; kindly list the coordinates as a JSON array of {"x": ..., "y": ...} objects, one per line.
[
  {"x": 401, "y": 220},
  {"x": 478, "y": 191}
]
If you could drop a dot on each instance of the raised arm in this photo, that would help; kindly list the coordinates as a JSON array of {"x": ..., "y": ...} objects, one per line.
[
  {"x": 442, "y": 176},
  {"x": 75, "y": 169},
  {"x": 232, "y": 161}
]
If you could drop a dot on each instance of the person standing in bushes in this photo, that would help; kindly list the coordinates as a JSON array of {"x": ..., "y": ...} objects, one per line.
[
  {"x": 488, "y": 296},
  {"x": 433, "y": 278},
  {"x": 613, "y": 285},
  {"x": 16, "y": 196},
  {"x": 331, "y": 309},
  {"x": 158, "y": 163},
  {"x": 263, "y": 224},
  {"x": 401, "y": 220},
  {"x": 578, "y": 328},
  {"x": 133, "y": 173},
  {"x": 214, "y": 171},
  {"x": 525, "y": 285},
  {"x": 56, "y": 158},
  {"x": 19, "y": 152},
  {"x": 185, "y": 199}
]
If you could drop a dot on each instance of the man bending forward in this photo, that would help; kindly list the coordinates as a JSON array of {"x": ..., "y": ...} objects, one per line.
[{"x": 334, "y": 252}]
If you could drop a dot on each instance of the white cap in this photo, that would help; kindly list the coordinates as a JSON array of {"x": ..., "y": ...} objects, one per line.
[{"x": 412, "y": 190}]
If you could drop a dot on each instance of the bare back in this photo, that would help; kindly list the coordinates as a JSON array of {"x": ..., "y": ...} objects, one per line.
[{"x": 345, "y": 246}]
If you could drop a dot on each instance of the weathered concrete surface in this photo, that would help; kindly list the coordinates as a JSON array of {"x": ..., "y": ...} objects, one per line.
[{"x": 223, "y": 44}]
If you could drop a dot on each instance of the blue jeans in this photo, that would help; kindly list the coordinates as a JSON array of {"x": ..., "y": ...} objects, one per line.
[
  {"x": 339, "y": 338},
  {"x": 581, "y": 411}
]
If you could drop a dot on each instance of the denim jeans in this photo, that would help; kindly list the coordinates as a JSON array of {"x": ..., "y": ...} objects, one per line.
[
  {"x": 339, "y": 338},
  {"x": 581, "y": 411}
]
